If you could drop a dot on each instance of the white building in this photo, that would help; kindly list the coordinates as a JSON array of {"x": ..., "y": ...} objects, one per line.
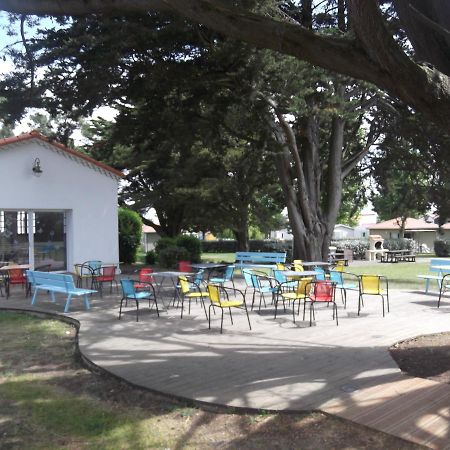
[{"x": 57, "y": 206}]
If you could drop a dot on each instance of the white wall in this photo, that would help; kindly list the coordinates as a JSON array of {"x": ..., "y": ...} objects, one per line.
[{"x": 67, "y": 183}]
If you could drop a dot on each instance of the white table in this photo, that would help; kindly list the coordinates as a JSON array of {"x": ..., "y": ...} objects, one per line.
[
  {"x": 298, "y": 274},
  {"x": 171, "y": 275}
]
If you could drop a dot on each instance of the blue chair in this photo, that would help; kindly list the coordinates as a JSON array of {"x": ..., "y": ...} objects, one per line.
[
  {"x": 321, "y": 275},
  {"x": 263, "y": 285},
  {"x": 281, "y": 279},
  {"x": 130, "y": 293},
  {"x": 337, "y": 277},
  {"x": 227, "y": 276}
]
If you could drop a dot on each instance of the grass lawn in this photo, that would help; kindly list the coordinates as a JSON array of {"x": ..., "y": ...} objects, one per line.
[
  {"x": 399, "y": 275},
  {"x": 219, "y": 257},
  {"x": 48, "y": 400}
]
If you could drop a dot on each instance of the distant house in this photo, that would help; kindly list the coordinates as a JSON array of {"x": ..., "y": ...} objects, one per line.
[
  {"x": 149, "y": 238},
  {"x": 424, "y": 233},
  {"x": 58, "y": 206},
  {"x": 343, "y": 232}
]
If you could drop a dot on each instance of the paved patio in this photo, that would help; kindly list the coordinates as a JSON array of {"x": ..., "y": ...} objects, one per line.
[{"x": 344, "y": 370}]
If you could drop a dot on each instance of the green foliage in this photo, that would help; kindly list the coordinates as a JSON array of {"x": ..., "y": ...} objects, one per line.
[
  {"x": 169, "y": 256},
  {"x": 130, "y": 230},
  {"x": 163, "y": 243},
  {"x": 400, "y": 244},
  {"x": 230, "y": 246},
  {"x": 358, "y": 246},
  {"x": 150, "y": 257},
  {"x": 192, "y": 244},
  {"x": 442, "y": 247}
]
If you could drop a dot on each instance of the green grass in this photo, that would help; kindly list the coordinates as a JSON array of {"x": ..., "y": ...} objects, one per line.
[
  {"x": 219, "y": 257},
  {"x": 400, "y": 275}
]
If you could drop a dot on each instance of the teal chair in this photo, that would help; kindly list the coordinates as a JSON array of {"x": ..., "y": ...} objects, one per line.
[
  {"x": 343, "y": 285},
  {"x": 130, "y": 293},
  {"x": 227, "y": 277}
]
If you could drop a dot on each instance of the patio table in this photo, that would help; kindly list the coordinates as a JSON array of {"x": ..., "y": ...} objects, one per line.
[
  {"x": 298, "y": 274},
  {"x": 209, "y": 267},
  {"x": 316, "y": 264}
]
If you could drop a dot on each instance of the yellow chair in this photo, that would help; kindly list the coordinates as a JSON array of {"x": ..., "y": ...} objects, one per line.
[
  {"x": 340, "y": 266},
  {"x": 188, "y": 294},
  {"x": 298, "y": 294},
  {"x": 281, "y": 266},
  {"x": 219, "y": 297},
  {"x": 297, "y": 265},
  {"x": 373, "y": 285}
]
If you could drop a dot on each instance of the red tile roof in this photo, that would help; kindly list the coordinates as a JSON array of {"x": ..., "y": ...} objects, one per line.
[
  {"x": 411, "y": 224},
  {"x": 41, "y": 137}
]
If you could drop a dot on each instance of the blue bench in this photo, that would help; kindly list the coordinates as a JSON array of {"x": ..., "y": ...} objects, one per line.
[
  {"x": 259, "y": 259},
  {"x": 56, "y": 282},
  {"x": 437, "y": 266}
]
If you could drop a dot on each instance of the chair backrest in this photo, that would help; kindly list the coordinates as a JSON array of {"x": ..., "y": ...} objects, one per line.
[
  {"x": 128, "y": 287},
  {"x": 340, "y": 266},
  {"x": 323, "y": 291},
  {"x": 370, "y": 283},
  {"x": 320, "y": 274},
  {"x": 214, "y": 294},
  {"x": 198, "y": 278},
  {"x": 303, "y": 285},
  {"x": 184, "y": 284},
  {"x": 108, "y": 273},
  {"x": 279, "y": 276},
  {"x": 95, "y": 265},
  {"x": 184, "y": 266},
  {"x": 229, "y": 271},
  {"x": 247, "y": 273},
  {"x": 297, "y": 265},
  {"x": 16, "y": 275},
  {"x": 281, "y": 266},
  {"x": 336, "y": 277},
  {"x": 143, "y": 275}
]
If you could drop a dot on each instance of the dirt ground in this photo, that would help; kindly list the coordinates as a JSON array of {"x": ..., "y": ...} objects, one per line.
[{"x": 425, "y": 356}]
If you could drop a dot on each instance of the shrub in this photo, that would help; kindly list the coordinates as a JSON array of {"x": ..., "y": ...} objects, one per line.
[
  {"x": 400, "y": 244},
  {"x": 256, "y": 245},
  {"x": 168, "y": 257},
  {"x": 150, "y": 257},
  {"x": 130, "y": 230},
  {"x": 442, "y": 247},
  {"x": 358, "y": 246},
  {"x": 163, "y": 243},
  {"x": 192, "y": 244}
]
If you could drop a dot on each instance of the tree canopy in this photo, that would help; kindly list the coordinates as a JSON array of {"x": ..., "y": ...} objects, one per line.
[{"x": 370, "y": 50}]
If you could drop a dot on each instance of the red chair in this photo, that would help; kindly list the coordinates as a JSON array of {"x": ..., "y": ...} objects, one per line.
[
  {"x": 184, "y": 266},
  {"x": 14, "y": 277},
  {"x": 321, "y": 292},
  {"x": 107, "y": 275},
  {"x": 144, "y": 279}
]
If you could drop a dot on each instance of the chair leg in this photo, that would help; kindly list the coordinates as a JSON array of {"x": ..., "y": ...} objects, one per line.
[
  {"x": 335, "y": 306},
  {"x": 293, "y": 310},
  {"x": 120, "y": 309},
  {"x": 387, "y": 300},
  {"x": 209, "y": 317},
  {"x": 137, "y": 311},
  {"x": 382, "y": 300},
  {"x": 221, "y": 321},
  {"x": 248, "y": 318},
  {"x": 204, "y": 308}
]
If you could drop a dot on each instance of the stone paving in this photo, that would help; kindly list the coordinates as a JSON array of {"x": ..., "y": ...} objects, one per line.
[{"x": 344, "y": 370}]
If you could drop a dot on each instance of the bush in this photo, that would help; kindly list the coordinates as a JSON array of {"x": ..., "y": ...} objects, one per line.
[
  {"x": 256, "y": 245},
  {"x": 442, "y": 247},
  {"x": 192, "y": 244},
  {"x": 168, "y": 257},
  {"x": 400, "y": 244},
  {"x": 150, "y": 257},
  {"x": 163, "y": 243},
  {"x": 358, "y": 246},
  {"x": 130, "y": 230}
]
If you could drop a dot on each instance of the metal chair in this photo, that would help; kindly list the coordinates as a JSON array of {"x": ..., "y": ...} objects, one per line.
[
  {"x": 287, "y": 292},
  {"x": 227, "y": 276},
  {"x": 373, "y": 285},
  {"x": 144, "y": 278},
  {"x": 341, "y": 284},
  {"x": 263, "y": 285},
  {"x": 443, "y": 287},
  {"x": 130, "y": 293},
  {"x": 107, "y": 275},
  {"x": 320, "y": 292},
  {"x": 15, "y": 277},
  {"x": 219, "y": 297},
  {"x": 187, "y": 294}
]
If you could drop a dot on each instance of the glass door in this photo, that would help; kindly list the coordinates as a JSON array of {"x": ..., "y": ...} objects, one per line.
[
  {"x": 14, "y": 247},
  {"x": 49, "y": 243}
]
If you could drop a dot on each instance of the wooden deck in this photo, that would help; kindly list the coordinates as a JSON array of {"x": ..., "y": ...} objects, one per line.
[{"x": 344, "y": 370}]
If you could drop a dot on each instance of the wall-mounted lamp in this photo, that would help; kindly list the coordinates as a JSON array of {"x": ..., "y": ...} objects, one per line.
[{"x": 37, "y": 169}]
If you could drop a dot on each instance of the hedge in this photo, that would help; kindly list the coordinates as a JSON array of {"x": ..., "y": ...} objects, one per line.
[
  {"x": 256, "y": 245},
  {"x": 442, "y": 247}
]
